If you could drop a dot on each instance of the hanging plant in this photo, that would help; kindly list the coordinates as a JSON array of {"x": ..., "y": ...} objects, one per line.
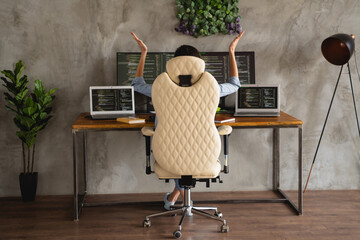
[{"x": 207, "y": 17}]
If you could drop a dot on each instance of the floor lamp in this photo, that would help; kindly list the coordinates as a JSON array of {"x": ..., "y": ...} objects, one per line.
[{"x": 337, "y": 49}]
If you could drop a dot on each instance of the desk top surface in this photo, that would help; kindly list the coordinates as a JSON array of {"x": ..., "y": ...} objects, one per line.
[{"x": 85, "y": 122}]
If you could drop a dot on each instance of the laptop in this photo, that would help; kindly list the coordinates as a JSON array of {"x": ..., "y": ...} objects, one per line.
[
  {"x": 108, "y": 102},
  {"x": 257, "y": 100}
]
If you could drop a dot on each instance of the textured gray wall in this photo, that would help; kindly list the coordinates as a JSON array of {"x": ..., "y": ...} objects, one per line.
[{"x": 71, "y": 45}]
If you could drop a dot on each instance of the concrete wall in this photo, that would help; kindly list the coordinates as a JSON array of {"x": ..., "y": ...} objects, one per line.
[{"x": 71, "y": 45}]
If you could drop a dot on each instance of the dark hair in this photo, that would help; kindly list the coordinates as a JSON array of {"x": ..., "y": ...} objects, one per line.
[{"x": 187, "y": 50}]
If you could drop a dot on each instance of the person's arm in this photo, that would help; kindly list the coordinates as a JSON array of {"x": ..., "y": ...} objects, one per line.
[
  {"x": 233, "y": 84},
  {"x": 232, "y": 47},
  {"x": 138, "y": 82},
  {"x": 141, "y": 64}
]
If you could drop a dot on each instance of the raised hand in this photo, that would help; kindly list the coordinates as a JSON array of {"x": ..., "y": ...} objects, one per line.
[
  {"x": 141, "y": 64},
  {"x": 141, "y": 43},
  {"x": 234, "y": 42}
]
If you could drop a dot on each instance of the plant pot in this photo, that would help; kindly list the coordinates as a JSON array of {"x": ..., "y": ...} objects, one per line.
[{"x": 28, "y": 184}]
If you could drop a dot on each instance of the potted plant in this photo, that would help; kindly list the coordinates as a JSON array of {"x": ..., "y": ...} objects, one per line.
[{"x": 32, "y": 113}]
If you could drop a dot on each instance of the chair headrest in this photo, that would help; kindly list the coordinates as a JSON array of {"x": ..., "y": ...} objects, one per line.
[{"x": 185, "y": 65}]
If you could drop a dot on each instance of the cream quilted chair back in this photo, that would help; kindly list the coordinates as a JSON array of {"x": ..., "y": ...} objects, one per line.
[{"x": 186, "y": 141}]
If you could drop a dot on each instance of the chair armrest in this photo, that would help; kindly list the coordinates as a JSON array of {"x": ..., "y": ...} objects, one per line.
[
  {"x": 148, "y": 131},
  {"x": 225, "y": 130}
]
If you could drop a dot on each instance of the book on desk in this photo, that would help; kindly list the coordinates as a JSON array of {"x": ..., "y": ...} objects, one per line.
[
  {"x": 130, "y": 120},
  {"x": 223, "y": 119}
]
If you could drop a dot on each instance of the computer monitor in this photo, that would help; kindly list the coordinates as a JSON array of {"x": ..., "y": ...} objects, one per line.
[
  {"x": 216, "y": 63},
  {"x": 127, "y": 62}
]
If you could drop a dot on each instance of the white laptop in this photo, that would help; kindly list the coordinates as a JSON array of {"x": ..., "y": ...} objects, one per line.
[
  {"x": 108, "y": 102},
  {"x": 257, "y": 100}
]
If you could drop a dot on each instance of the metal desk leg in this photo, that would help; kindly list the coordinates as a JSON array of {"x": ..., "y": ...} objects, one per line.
[
  {"x": 79, "y": 199},
  {"x": 76, "y": 190},
  {"x": 276, "y": 171},
  {"x": 276, "y": 159},
  {"x": 85, "y": 157},
  {"x": 300, "y": 191}
]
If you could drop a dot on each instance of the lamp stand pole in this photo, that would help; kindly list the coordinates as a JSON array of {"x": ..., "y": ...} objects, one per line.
[
  {"x": 327, "y": 116},
  {"x": 352, "y": 91}
]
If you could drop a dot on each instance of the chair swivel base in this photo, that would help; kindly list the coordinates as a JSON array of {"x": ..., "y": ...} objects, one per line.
[{"x": 187, "y": 209}]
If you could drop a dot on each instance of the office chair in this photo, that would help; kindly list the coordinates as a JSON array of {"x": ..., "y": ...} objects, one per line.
[{"x": 186, "y": 144}]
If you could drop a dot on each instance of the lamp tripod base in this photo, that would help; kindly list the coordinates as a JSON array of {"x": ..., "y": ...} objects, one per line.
[{"x": 327, "y": 116}]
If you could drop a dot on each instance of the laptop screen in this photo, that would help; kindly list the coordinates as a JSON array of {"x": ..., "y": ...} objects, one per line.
[
  {"x": 258, "y": 100},
  {"x": 112, "y": 99},
  {"x": 257, "y": 97}
]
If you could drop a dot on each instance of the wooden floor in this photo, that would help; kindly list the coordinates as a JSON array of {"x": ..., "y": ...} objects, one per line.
[{"x": 327, "y": 215}]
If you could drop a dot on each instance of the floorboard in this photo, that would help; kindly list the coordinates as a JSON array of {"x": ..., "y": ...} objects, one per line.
[{"x": 327, "y": 215}]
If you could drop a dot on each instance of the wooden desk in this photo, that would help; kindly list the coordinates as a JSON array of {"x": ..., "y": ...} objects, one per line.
[{"x": 85, "y": 123}]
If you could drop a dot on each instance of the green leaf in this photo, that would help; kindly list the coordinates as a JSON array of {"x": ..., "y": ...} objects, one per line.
[
  {"x": 35, "y": 116},
  {"x": 43, "y": 115},
  {"x": 11, "y": 88},
  {"x": 28, "y": 102},
  {"x": 30, "y": 111},
  {"x": 28, "y": 137},
  {"x": 9, "y": 74},
  {"x": 5, "y": 81},
  {"x": 19, "y": 78},
  {"x": 42, "y": 123},
  {"x": 39, "y": 86},
  {"x": 11, "y": 102},
  {"x": 27, "y": 122},
  {"x": 21, "y": 95},
  {"x": 19, "y": 74},
  {"x": 23, "y": 81},
  {"x": 20, "y": 135},
  {"x": 10, "y": 109},
  {"x": 18, "y": 124},
  {"x": 18, "y": 67},
  {"x": 9, "y": 97}
]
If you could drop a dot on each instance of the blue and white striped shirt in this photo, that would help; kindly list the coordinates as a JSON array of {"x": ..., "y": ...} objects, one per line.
[{"x": 227, "y": 88}]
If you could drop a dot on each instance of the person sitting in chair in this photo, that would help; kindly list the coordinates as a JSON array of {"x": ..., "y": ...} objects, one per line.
[{"x": 139, "y": 84}]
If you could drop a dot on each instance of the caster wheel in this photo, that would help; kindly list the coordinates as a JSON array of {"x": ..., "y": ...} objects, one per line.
[
  {"x": 177, "y": 234},
  {"x": 146, "y": 223},
  {"x": 225, "y": 228},
  {"x": 218, "y": 214}
]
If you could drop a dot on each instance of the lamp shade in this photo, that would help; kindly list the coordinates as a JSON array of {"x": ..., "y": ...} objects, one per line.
[{"x": 338, "y": 48}]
